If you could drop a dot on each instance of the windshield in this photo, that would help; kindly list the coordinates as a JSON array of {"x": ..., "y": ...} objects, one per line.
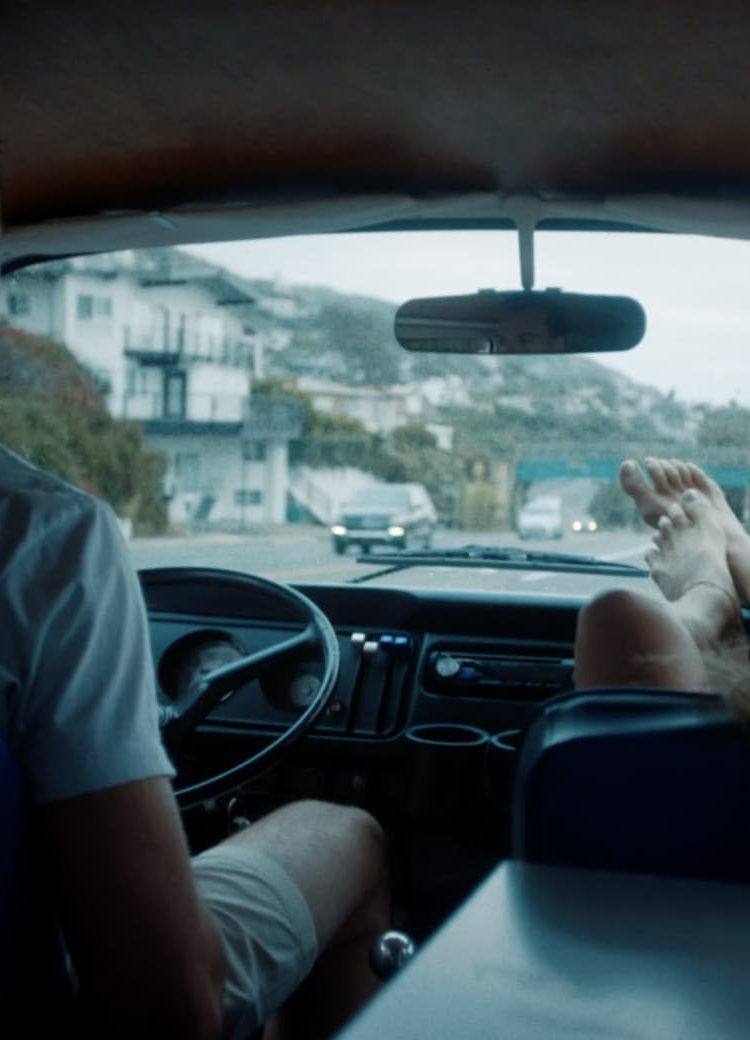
[{"x": 239, "y": 397}]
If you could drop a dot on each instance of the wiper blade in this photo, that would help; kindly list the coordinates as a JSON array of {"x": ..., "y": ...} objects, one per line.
[{"x": 502, "y": 557}]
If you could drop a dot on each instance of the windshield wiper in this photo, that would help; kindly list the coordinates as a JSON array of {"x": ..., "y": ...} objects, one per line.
[{"x": 502, "y": 557}]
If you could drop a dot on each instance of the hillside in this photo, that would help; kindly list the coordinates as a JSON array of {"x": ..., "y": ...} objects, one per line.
[{"x": 349, "y": 339}]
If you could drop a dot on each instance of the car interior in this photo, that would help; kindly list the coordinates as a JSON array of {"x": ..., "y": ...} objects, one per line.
[{"x": 433, "y": 683}]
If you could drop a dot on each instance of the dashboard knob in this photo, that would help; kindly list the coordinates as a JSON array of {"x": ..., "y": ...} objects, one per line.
[
  {"x": 390, "y": 952},
  {"x": 447, "y": 666}
]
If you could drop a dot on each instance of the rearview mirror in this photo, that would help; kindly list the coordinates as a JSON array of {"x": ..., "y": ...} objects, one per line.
[{"x": 550, "y": 322}]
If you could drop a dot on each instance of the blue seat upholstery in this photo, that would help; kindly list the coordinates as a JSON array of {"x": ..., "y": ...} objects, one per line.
[{"x": 642, "y": 781}]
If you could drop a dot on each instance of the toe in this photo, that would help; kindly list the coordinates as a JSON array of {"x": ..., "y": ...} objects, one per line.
[
  {"x": 658, "y": 477},
  {"x": 696, "y": 506},
  {"x": 665, "y": 528},
  {"x": 700, "y": 480},
  {"x": 651, "y": 556},
  {"x": 678, "y": 516},
  {"x": 632, "y": 480},
  {"x": 683, "y": 473},
  {"x": 671, "y": 475}
]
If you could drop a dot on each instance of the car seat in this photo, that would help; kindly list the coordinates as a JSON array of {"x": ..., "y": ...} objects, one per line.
[
  {"x": 643, "y": 781},
  {"x": 36, "y": 996},
  {"x": 35, "y": 984}
]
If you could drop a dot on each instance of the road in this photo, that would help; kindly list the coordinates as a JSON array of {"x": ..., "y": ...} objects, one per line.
[{"x": 306, "y": 554}]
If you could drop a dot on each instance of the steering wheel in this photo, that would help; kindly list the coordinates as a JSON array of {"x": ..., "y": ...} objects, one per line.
[{"x": 180, "y": 719}]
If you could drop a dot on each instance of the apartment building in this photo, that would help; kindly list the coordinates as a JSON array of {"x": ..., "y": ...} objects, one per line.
[{"x": 169, "y": 339}]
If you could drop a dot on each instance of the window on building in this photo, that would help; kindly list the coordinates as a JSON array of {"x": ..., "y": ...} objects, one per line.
[
  {"x": 187, "y": 471},
  {"x": 175, "y": 395},
  {"x": 89, "y": 306},
  {"x": 19, "y": 304},
  {"x": 211, "y": 331},
  {"x": 254, "y": 451},
  {"x": 248, "y": 497},
  {"x": 140, "y": 379}
]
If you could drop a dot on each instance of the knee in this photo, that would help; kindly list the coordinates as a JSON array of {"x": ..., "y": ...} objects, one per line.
[
  {"x": 353, "y": 825},
  {"x": 353, "y": 832},
  {"x": 615, "y": 631},
  {"x": 613, "y": 612}
]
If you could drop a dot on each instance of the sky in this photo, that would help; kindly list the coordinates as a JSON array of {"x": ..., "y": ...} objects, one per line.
[{"x": 695, "y": 290}]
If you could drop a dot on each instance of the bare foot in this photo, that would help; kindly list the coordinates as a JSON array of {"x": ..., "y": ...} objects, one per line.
[
  {"x": 653, "y": 500},
  {"x": 670, "y": 478},
  {"x": 688, "y": 563}
]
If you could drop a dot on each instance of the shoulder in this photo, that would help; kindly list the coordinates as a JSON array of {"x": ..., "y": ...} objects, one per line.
[{"x": 39, "y": 511}]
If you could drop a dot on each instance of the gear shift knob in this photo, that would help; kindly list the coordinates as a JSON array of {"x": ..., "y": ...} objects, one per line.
[{"x": 390, "y": 952}]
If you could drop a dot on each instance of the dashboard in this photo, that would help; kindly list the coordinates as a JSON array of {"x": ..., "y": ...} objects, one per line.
[{"x": 409, "y": 658}]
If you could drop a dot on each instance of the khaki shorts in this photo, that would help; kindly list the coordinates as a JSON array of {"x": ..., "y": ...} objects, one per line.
[{"x": 266, "y": 928}]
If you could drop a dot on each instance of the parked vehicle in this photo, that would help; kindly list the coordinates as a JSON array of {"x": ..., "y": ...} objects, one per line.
[{"x": 401, "y": 516}]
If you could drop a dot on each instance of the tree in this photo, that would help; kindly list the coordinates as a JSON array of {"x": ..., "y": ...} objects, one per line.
[
  {"x": 53, "y": 415},
  {"x": 410, "y": 454},
  {"x": 725, "y": 427}
]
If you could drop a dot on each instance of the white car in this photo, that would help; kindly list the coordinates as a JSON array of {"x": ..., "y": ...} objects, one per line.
[{"x": 542, "y": 518}]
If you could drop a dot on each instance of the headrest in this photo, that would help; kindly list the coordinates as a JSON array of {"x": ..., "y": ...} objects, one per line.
[{"x": 639, "y": 781}]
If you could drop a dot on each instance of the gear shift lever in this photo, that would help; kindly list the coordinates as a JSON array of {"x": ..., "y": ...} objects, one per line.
[{"x": 390, "y": 952}]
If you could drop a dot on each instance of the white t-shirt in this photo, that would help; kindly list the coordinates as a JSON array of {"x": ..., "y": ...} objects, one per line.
[{"x": 77, "y": 693}]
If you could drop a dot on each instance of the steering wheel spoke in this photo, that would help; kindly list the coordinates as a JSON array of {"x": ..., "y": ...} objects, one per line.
[{"x": 188, "y": 711}]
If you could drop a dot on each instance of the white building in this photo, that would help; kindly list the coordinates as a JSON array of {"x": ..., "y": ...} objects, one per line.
[
  {"x": 380, "y": 409},
  {"x": 169, "y": 339}
]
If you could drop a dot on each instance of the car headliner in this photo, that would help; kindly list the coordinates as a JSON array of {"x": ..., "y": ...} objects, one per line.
[{"x": 147, "y": 123}]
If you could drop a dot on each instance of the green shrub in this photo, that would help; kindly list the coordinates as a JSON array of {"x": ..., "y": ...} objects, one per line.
[{"x": 53, "y": 415}]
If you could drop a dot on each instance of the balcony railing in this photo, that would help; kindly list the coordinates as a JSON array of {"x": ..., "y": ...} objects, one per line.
[
  {"x": 180, "y": 345},
  {"x": 201, "y": 407}
]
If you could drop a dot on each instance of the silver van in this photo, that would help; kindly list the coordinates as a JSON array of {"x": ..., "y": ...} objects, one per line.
[{"x": 543, "y": 517}]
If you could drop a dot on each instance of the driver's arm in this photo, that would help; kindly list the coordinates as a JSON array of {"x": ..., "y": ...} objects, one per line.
[
  {"x": 146, "y": 950},
  {"x": 82, "y": 722}
]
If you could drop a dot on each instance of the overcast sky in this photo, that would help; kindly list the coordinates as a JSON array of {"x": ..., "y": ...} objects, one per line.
[{"x": 696, "y": 291}]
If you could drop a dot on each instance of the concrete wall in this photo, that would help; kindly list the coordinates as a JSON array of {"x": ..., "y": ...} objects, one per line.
[
  {"x": 244, "y": 491},
  {"x": 324, "y": 490}
]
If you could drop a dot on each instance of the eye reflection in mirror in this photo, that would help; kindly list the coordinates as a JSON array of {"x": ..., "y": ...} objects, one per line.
[
  {"x": 551, "y": 322},
  {"x": 528, "y": 330}
]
